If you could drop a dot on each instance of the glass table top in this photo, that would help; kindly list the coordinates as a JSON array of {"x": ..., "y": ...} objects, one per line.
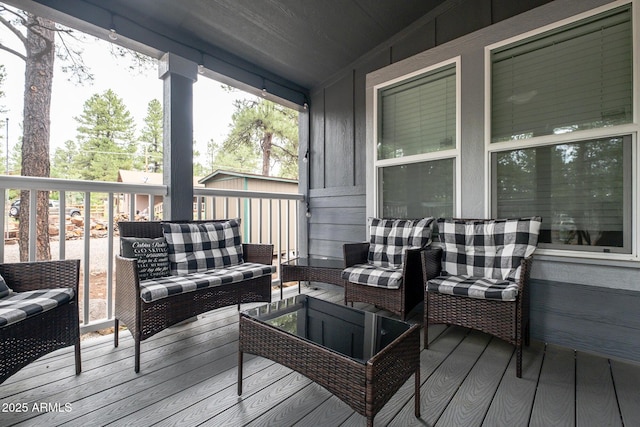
[
  {"x": 354, "y": 333},
  {"x": 316, "y": 262}
]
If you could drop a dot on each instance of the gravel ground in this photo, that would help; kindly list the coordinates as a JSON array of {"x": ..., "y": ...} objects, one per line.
[{"x": 74, "y": 249}]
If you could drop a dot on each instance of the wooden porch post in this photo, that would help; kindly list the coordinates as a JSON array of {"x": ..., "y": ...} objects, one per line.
[{"x": 178, "y": 75}]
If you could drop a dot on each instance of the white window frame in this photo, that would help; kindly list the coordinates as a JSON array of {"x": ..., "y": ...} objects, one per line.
[
  {"x": 632, "y": 129},
  {"x": 453, "y": 153}
]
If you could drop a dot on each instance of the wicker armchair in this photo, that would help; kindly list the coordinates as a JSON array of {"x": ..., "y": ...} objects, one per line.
[
  {"x": 387, "y": 270},
  {"x": 483, "y": 287},
  {"x": 25, "y": 340}
]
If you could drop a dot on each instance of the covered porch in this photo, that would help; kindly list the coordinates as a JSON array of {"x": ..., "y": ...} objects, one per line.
[
  {"x": 582, "y": 367},
  {"x": 189, "y": 377}
]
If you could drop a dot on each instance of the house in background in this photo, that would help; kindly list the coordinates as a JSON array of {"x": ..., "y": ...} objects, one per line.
[
  {"x": 141, "y": 201},
  {"x": 262, "y": 220}
]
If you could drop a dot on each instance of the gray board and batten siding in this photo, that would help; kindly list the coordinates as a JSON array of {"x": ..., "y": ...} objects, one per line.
[{"x": 589, "y": 305}]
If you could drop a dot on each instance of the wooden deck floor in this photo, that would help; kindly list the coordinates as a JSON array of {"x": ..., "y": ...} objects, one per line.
[{"x": 188, "y": 378}]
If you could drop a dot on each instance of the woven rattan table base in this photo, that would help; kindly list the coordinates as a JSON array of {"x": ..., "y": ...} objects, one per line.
[
  {"x": 365, "y": 387},
  {"x": 291, "y": 272}
]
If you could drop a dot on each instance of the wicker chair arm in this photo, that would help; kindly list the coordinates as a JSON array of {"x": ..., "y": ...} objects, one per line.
[
  {"x": 355, "y": 253},
  {"x": 258, "y": 253},
  {"x": 431, "y": 263},
  {"x": 525, "y": 272},
  {"x": 31, "y": 276},
  {"x": 127, "y": 280}
]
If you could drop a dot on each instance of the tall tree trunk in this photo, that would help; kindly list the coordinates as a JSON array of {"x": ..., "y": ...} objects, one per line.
[
  {"x": 40, "y": 50},
  {"x": 267, "y": 141}
]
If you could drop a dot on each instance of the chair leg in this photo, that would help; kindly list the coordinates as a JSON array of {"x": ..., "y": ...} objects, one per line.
[
  {"x": 78, "y": 360},
  {"x": 425, "y": 327},
  {"x": 116, "y": 326},
  {"x": 519, "y": 361},
  {"x": 137, "y": 356}
]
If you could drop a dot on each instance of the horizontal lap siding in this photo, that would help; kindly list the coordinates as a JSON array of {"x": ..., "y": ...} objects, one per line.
[
  {"x": 336, "y": 220},
  {"x": 587, "y": 318}
]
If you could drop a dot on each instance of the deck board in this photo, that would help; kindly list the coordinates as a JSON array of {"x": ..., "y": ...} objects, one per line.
[
  {"x": 626, "y": 379},
  {"x": 513, "y": 400},
  {"x": 554, "y": 403},
  {"x": 474, "y": 396},
  {"x": 595, "y": 396},
  {"x": 189, "y": 377}
]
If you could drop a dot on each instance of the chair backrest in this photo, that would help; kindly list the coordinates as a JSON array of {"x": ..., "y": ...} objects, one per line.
[
  {"x": 491, "y": 248},
  {"x": 389, "y": 238}
]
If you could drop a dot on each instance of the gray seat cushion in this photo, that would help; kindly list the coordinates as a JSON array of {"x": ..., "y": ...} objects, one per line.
[
  {"x": 162, "y": 287},
  {"x": 371, "y": 275},
  {"x": 20, "y": 305},
  {"x": 475, "y": 287}
]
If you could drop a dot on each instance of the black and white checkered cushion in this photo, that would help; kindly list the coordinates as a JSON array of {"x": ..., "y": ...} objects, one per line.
[
  {"x": 389, "y": 238},
  {"x": 475, "y": 287},
  {"x": 203, "y": 246},
  {"x": 481, "y": 258},
  {"x": 20, "y": 305},
  {"x": 371, "y": 275},
  {"x": 4, "y": 288},
  {"x": 487, "y": 248},
  {"x": 162, "y": 287}
]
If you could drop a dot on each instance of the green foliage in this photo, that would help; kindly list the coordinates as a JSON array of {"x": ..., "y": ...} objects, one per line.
[
  {"x": 62, "y": 163},
  {"x": 243, "y": 158},
  {"x": 267, "y": 128},
  {"x": 106, "y": 137},
  {"x": 151, "y": 139}
]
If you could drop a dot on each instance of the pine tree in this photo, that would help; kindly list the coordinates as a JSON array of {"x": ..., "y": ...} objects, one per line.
[
  {"x": 62, "y": 161},
  {"x": 106, "y": 136},
  {"x": 151, "y": 139},
  {"x": 269, "y": 129}
]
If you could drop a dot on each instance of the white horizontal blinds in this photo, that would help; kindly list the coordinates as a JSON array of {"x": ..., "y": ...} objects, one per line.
[
  {"x": 578, "y": 77},
  {"x": 419, "y": 115},
  {"x": 581, "y": 190},
  {"x": 417, "y": 190}
]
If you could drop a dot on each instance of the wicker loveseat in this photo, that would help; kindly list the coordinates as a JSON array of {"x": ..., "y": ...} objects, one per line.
[
  {"x": 483, "y": 283},
  {"x": 386, "y": 271},
  {"x": 38, "y": 312},
  {"x": 206, "y": 267}
]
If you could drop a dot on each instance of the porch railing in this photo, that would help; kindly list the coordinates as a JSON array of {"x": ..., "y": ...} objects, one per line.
[{"x": 265, "y": 218}]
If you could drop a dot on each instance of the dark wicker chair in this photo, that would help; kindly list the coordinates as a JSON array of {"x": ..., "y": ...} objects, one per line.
[
  {"x": 147, "y": 319},
  {"x": 27, "y": 340},
  {"x": 503, "y": 318},
  {"x": 409, "y": 294}
]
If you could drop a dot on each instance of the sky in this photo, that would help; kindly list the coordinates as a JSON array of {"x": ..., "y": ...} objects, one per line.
[{"x": 213, "y": 106}]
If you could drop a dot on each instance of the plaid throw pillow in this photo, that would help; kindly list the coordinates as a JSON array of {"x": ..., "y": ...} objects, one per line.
[
  {"x": 391, "y": 237},
  {"x": 487, "y": 248},
  {"x": 204, "y": 246},
  {"x": 4, "y": 288}
]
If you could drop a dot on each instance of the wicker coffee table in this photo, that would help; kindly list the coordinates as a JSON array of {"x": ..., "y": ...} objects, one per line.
[
  {"x": 360, "y": 357},
  {"x": 312, "y": 269}
]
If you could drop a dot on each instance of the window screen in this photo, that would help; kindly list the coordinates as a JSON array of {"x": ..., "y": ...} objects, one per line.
[
  {"x": 581, "y": 190},
  {"x": 418, "y": 115},
  {"x": 574, "y": 78}
]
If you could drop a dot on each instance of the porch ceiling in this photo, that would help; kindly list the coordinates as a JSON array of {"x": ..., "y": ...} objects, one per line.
[{"x": 303, "y": 42}]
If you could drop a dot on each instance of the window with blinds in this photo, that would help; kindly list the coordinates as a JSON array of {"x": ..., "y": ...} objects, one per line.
[
  {"x": 417, "y": 190},
  {"x": 418, "y": 116},
  {"x": 574, "y": 78},
  {"x": 581, "y": 190}
]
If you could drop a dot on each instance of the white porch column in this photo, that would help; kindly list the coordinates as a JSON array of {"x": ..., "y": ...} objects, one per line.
[{"x": 178, "y": 75}]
